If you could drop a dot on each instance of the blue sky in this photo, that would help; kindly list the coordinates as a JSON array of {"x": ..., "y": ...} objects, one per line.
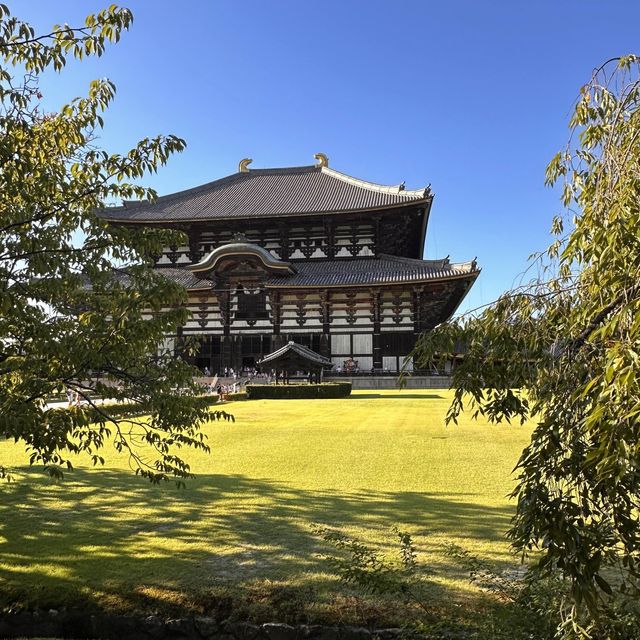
[{"x": 470, "y": 96}]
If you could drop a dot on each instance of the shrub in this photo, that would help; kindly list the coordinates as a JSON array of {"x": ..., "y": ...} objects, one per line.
[
  {"x": 239, "y": 395},
  {"x": 298, "y": 391}
]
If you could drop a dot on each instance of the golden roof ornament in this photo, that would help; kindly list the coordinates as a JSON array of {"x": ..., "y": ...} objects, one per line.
[
  {"x": 323, "y": 160},
  {"x": 243, "y": 165}
]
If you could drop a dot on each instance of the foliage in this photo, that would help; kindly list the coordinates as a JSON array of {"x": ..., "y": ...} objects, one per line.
[
  {"x": 237, "y": 395},
  {"x": 565, "y": 349},
  {"x": 374, "y": 573},
  {"x": 538, "y": 596},
  {"x": 527, "y": 601},
  {"x": 298, "y": 391},
  {"x": 535, "y": 596},
  {"x": 78, "y": 298}
]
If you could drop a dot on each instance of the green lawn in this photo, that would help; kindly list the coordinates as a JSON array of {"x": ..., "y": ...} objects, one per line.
[{"x": 242, "y": 529}]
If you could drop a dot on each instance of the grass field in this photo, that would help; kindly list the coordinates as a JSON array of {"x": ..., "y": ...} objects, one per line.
[{"x": 241, "y": 531}]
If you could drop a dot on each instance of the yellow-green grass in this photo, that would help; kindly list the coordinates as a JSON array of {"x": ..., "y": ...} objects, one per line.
[{"x": 244, "y": 525}]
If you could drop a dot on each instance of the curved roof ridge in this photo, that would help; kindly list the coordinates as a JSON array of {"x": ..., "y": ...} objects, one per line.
[
  {"x": 416, "y": 261},
  {"x": 470, "y": 266},
  {"x": 241, "y": 248},
  {"x": 467, "y": 267},
  {"x": 273, "y": 192},
  {"x": 305, "y": 168},
  {"x": 397, "y": 189}
]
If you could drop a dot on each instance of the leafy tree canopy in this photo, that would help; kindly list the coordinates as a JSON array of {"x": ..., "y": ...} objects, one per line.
[
  {"x": 564, "y": 350},
  {"x": 70, "y": 308}
]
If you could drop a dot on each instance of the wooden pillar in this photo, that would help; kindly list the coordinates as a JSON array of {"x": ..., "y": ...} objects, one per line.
[
  {"x": 331, "y": 238},
  {"x": 325, "y": 345},
  {"x": 285, "y": 245},
  {"x": 418, "y": 322},
  {"x": 275, "y": 302},
  {"x": 173, "y": 253},
  {"x": 195, "y": 251},
  {"x": 376, "y": 235},
  {"x": 226, "y": 342},
  {"x": 237, "y": 353},
  {"x": 376, "y": 317},
  {"x": 226, "y": 349},
  {"x": 325, "y": 310}
]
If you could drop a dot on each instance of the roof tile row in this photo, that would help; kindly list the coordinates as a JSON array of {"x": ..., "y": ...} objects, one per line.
[
  {"x": 359, "y": 272},
  {"x": 268, "y": 192}
]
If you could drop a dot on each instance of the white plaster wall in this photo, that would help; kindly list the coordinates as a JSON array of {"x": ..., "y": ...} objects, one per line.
[
  {"x": 389, "y": 362},
  {"x": 340, "y": 344},
  {"x": 363, "y": 343}
]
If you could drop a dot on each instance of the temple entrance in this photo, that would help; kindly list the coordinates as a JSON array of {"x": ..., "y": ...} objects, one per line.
[{"x": 252, "y": 348}]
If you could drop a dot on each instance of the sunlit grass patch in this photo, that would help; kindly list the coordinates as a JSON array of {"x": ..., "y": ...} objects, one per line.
[{"x": 243, "y": 526}]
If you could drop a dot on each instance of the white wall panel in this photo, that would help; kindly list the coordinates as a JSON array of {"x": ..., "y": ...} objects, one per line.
[
  {"x": 341, "y": 344},
  {"x": 362, "y": 343},
  {"x": 389, "y": 362},
  {"x": 409, "y": 366}
]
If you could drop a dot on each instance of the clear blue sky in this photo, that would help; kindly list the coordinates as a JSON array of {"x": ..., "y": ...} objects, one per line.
[{"x": 471, "y": 96}]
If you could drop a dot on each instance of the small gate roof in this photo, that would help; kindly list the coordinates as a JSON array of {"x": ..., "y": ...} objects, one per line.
[{"x": 294, "y": 349}]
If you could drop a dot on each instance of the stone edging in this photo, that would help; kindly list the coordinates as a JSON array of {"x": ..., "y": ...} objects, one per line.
[{"x": 76, "y": 624}]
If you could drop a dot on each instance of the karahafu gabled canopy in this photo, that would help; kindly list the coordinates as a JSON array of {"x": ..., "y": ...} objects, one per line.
[{"x": 294, "y": 357}]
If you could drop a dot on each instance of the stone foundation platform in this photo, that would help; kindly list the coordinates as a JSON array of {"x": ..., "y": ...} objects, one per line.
[{"x": 391, "y": 382}]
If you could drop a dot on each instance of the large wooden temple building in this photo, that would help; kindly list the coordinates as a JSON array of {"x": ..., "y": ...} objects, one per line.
[{"x": 304, "y": 254}]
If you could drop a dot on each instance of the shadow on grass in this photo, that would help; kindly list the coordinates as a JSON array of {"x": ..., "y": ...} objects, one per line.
[
  {"x": 405, "y": 396},
  {"x": 141, "y": 546}
]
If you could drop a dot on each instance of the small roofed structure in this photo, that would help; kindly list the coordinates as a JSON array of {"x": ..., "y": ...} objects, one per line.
[{"x": 295, "y": 357}]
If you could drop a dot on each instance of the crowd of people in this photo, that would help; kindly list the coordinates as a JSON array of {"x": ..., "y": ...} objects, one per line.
[{"x": 230, "y": 381}]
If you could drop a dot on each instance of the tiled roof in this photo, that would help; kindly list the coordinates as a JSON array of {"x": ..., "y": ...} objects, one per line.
[
  {"x": 358, "y": 271},
  {"x": 269, "y": 192},
  {"x": 301, "y": 350},
  {"x": 372, "y": 271},
  {"x": 182, "y": 276},
  {"x": 186, "y": 278}
]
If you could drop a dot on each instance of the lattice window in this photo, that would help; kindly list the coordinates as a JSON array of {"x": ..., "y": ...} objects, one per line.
[{"x": 252, "y": 305}]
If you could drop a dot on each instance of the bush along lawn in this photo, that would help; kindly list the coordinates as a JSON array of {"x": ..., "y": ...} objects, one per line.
[{"x": 298, "y": 391}]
